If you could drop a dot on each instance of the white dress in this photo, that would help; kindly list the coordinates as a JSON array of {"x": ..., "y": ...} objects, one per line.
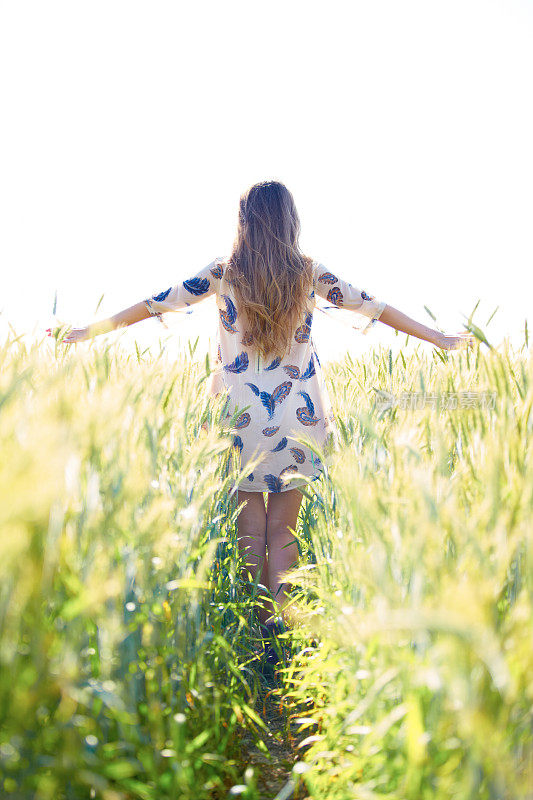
[{"x": 278, "y": 400}]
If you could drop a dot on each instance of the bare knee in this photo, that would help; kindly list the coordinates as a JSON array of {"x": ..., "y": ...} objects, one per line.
[
  {"x": 277, "y": 529},
  {"x": 252, "y": 531},
  {"x": 251, "y": 538},
  {"x": 282, "y": 544}
]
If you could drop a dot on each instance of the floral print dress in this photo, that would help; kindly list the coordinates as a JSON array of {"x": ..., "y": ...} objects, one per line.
[{"x": 283, "y": 404}]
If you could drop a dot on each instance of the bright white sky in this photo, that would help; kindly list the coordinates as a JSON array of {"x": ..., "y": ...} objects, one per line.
[{"x": 404, "y": 131}]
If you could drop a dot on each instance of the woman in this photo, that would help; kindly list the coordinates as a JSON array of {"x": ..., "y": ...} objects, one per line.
[{"x": 265, "y": 293}]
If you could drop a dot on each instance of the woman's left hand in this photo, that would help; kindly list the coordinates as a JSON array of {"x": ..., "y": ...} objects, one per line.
[{"x": 457, "y": 341}]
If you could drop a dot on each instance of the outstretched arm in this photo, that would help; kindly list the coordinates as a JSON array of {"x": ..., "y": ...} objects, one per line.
[
  {"x": 183, "y": 294},
  {"x": 401, "y": 322},
  {"x": 342, "y": 294},
  {"x": 121, "y": 320}
]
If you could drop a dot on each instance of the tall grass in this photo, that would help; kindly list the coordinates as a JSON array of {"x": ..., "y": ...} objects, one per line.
[
  {"x": 421, "y": 685},
  {"x": 123, "y": 638},
  {"x": 126, "y": 630}
]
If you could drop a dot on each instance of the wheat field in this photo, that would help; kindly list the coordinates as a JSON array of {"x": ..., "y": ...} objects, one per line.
[{"x": 127, "y": 629}]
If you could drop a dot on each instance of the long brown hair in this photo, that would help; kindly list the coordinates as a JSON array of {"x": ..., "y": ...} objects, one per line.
[{"x": 270, "y": 275}]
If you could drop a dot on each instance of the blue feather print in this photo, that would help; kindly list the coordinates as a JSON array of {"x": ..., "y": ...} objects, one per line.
[
  {"x": 335, "y": 296},
  {"x": 270, "y": 400},
  {"x": 251, "y": 476},
  {"x": 278, "y": 395},
  {"x": 310, "y": 371},
  {"x": 292, "y": 371},
  {"x": 285, "y": 470},
  {"x": 243, "y": 421},
  {"x": 273, "y": 482},
  {"x": 254, "y": 388},
  {"x": 328, "y": 277},
  {"x": 275, "y": 363},
  {"x": 231, "y": 311},
  {"x": 298, "y": 454},
  {"x": 270, "y": 431},
  {"x": 282, "y": 391},
  {"x": 305, "y": 418},
  {"x": 228, "y": 316},
  {"x": 266, "y": 400},
  {"x": 240, "y": 364},
  {"x": 162, "y": 295},
  {"x": 237, "y": 442},
  {"x": 280, "y": 445},
  {"x": 308, "y": 403},
  {"x": 197, "y": 285},
  {"x": 302, "y": 332},
  {"x": 306, "y": 414}
]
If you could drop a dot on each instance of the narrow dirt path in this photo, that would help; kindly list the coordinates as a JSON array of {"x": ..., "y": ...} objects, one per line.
[{"x": 273, "y": 771}]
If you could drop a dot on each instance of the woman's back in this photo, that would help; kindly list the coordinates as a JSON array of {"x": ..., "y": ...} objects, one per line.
[
  {"x": 280, "y": 399},
  {"x": 285, "y": 396}
]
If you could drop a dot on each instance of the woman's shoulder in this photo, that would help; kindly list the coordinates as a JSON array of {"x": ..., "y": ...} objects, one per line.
[
  {"x": 321, "y": 274},
  {"x": 225, "y": 268},
  {"x": 315, "y": 266},
  {"x": 217, "y": 267}
]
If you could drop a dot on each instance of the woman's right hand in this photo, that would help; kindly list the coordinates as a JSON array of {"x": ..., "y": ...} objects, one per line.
[
  {"x": 456, "y": 341},
  {"x": 76, "y": 335}
]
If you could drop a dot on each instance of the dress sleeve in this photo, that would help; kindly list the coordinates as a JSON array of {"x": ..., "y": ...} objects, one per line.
[
  {"x": 186, "y": 293},
  {"x": 342, "y": 294}
]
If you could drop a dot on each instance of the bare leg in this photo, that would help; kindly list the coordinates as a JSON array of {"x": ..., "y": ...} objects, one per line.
[
  {"x": 251, "y": 538},
  {"x": 282, "y": 513}
]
